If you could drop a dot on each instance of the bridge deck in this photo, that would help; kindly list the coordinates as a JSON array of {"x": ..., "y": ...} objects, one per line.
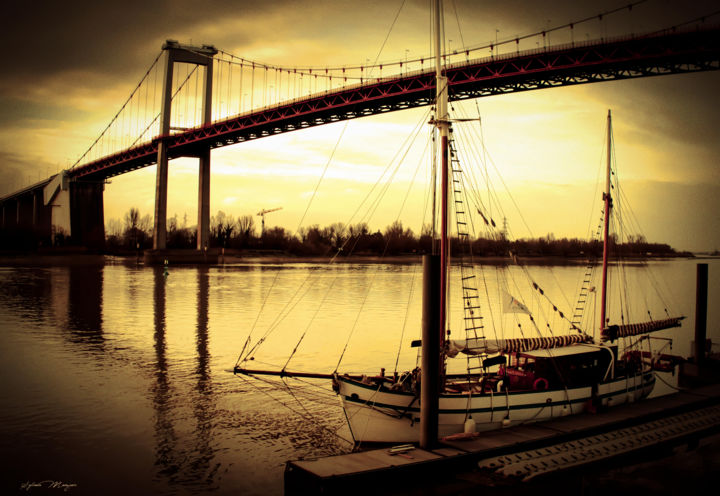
[
  {"x": 579, "y": 63},
  {"x": 521, "y": 452}
]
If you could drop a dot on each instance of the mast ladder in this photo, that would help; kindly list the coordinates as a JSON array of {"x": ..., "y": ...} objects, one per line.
[
  {"x": 583, "y": 296},
  {"x": 474, "y": 328},
  {"x": 585, "y": 288}
]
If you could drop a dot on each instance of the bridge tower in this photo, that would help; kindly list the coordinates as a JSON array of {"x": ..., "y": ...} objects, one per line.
[{"x": 203, "y": 55}]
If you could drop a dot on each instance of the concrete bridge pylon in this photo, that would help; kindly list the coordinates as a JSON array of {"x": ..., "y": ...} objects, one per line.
[{"x": 203, "y": 55}]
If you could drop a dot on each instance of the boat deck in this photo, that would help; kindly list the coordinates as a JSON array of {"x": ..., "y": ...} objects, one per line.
[{"x": 519, "y": 452}]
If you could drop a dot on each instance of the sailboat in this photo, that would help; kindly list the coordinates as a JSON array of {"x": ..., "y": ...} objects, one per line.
[
  {"x": 516, "y": 380},
  {"x": 522, "y": 379}
]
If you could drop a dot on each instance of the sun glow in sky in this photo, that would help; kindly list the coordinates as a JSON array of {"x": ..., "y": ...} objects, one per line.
[{"x": 70, "y": 72}]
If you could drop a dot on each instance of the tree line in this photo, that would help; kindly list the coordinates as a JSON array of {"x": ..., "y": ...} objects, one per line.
[{"x": 134, "y": 232}]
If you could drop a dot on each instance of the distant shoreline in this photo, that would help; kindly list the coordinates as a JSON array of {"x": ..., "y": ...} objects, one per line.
[{"x": 82, "y": 258}]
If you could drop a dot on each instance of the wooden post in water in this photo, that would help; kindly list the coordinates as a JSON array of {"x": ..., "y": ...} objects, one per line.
[
  {"x": 701, "y": 312},
  {"x": 430, "y": 368}
]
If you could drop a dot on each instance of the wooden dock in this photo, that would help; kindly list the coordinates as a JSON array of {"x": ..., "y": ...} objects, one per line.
[{"x": 519, "y": 454}]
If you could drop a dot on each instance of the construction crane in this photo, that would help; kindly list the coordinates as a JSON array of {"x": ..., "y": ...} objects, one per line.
[{"x": 261, "y": 214}]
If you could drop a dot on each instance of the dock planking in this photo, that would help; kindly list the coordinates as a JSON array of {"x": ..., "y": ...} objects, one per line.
[
  {"x": 365, "y": 461},
  {"x": 364, "y": 471}
]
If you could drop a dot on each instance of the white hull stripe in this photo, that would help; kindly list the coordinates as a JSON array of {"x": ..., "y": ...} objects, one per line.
[
  {"x": 505, "y": 407},
  {"x": 374, "y": 389}
]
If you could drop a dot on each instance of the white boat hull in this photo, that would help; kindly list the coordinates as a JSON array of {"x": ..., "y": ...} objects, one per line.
[{"x": 376, "y": 415}]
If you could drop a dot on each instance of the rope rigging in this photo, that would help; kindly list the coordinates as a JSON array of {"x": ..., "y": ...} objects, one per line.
[
  {"x": 371, "y": 208},
  {"x": 374, "y": 207},
  {"x": 469, "y": 143},
  {"x": 303, "y": 412}
]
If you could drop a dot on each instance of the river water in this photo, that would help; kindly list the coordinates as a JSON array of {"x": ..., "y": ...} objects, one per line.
[{"x": 117, "y": 378}]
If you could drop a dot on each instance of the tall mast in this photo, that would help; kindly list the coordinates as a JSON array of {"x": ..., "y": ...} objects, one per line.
[
  {"x": 442, "y": 124},
  {"x": 606, "y": 226},
  {"x": 435, "y": 274}
]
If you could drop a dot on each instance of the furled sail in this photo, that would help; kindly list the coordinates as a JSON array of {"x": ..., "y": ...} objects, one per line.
[
  {"x": 613, "y": 332},
  {"x": 489, "y": 346}
]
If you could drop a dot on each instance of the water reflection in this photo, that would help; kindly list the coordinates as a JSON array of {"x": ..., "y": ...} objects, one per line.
[
  {"x": 203, "y": 367},
  {"x": 85, "y": 303},
  {"x": 204, "y": 404},
  {"x": 165, "y": 438},
  {"x": 27, "y": 291},
  {"x": 183, "y": 461},
  {"x": 141, "y": 364}
]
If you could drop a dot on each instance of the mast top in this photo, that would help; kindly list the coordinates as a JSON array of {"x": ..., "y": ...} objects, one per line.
[{"x": 606, "y": 225}]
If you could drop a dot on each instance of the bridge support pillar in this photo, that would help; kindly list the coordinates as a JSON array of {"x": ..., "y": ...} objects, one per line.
[
  {"x": 18, "y": 211},
  {"x": 42, "y": 222},
  {"x": 35, "y": 210},
  {"x": 11, "y": 213},
  {"x": 203, "y": 226},
  {"x": 25, "y": 212},
  {"x": 175, "y": 52},
  {"x": 161, "y": 185},
  {"x": 70, "y": 212},
  {"x": 87, "y": 218}
]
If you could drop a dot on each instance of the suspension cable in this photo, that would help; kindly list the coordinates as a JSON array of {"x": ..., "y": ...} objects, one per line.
[{"x": 112, "y": 121}]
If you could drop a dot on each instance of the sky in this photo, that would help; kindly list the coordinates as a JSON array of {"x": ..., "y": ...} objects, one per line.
[{"x": 70, "y": 65}]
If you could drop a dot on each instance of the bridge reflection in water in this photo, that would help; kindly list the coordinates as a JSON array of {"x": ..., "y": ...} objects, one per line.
[{"x": 186, "y": 462}]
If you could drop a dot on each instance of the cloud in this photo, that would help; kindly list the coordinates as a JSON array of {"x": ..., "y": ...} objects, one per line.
[{"x": 679, "y": 108}]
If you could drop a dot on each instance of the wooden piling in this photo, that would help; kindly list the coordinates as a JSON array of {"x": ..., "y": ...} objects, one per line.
[
  {"x": 430, "y": 370},
  {"x": 701, "y": 313}
]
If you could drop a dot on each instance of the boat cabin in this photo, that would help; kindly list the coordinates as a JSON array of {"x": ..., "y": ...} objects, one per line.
[{"x": 570, "y": 366}]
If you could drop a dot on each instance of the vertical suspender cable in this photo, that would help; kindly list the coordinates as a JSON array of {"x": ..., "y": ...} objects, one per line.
[
  {"x": 145, "y": 110},
  {"x": 154, "y": 92},
  {"x": 240, "y": 90},
  {"x": 231, "y": 67},
  {"x": 195, "y": 101},
  {"x": 186, "y": 97}
]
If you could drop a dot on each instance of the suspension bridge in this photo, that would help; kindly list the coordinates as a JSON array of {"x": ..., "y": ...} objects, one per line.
[{"x": 194, "y": 99}]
